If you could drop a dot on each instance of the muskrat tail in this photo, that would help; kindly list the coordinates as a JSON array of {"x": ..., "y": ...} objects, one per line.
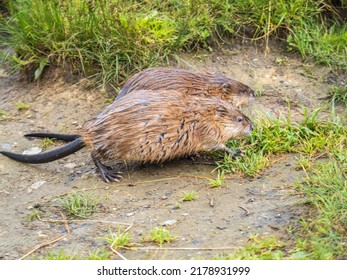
[
  {"x": 58, "y": 136},
  {"x": 49, "y": 156}
]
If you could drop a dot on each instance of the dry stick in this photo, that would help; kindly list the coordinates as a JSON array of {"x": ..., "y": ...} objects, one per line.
[
  {"x": 50, "y": 241},
  {"x": 184, "y": 248},
  {"x": 114, "y": 250},
  {"x": 83, "y": 221},
  {"x": 244, "y": 209}
]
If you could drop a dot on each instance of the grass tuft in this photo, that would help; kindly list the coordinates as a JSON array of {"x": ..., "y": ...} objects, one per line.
[{"x": 80, "y": 205}]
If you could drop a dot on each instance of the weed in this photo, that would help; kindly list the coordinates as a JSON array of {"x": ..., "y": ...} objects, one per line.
[
  {"x": 99, "y": 255},
  {"x": 3, "y": 115},
  {"x": 160, "y": 236},
  {"x": 338, "y": 94},
  {"x": 218, "y": 182},
  {"x": 80, "y": 205},
  {"x": 120, "y": 240},
  {"x": 33, "y": 215},
  {"x": 305, "y": 163},
  {"x": 20, "y": 105},
  {"x": 258, "y": 248},
  {"x": 46, "y": 143},
  {"x": 189, "y": 196},
  {"x": 60, "y": 256}
]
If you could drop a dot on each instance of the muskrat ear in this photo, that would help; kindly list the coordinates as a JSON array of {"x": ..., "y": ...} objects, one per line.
[{"x": 226, "y": 86}]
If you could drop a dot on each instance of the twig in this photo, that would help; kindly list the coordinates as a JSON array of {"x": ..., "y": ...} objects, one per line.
[
  {"x": 82, "y": 221},
  {"x": 44, "y": 244},
  {"x": 244, "y": 209},
  {"x": 184, "y": 248}
]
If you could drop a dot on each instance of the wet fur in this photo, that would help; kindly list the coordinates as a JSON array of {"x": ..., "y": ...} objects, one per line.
[
  {"x": 152, "y": 126},
  {"x": 189, "y": 83}
]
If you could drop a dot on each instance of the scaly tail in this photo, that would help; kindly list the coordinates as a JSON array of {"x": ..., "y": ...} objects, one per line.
[
  {"x": 58, "y": 136},
  {"x": 49, "y": 156}
]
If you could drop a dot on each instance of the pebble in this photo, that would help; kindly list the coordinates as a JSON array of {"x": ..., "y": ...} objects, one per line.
[
  {"x": 37, "y": 185},
  {"x": 169, "y": 223},
  {"x": 130, "y": 214},
  {"x": 32, "y": 151},
  {"x": 70, "y": 165}
]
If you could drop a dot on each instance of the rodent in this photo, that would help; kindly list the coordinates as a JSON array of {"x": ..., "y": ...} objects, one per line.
[
  {"x": 190, "y": 83},
  {"x": 152, "y": 126},
  {"x": 185, "y": 81}
]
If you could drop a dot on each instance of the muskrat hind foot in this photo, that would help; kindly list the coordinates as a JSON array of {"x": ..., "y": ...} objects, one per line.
[{"x": 107, "y": 173}]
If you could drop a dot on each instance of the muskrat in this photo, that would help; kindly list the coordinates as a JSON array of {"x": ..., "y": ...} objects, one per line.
[
  {"x": 152, "y": 126},
  {"x": 182, "y": 80},
  {"x": 190, "y": 83}
]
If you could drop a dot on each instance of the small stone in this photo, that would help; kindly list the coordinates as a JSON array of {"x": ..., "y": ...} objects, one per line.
[
  {"x": 169, "y": 223},
  {"x": 70, "y": 165},
  {"x": 130, "y": 214},
  {"x": 37, "y": 185},
  {"x": 221, "y": 228},
  {"x": 32, "y": 151}
]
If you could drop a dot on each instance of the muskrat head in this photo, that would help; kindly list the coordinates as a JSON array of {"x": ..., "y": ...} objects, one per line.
[
  {"x": 237, "y": 93},
  {"x": 234, "y": 123}
]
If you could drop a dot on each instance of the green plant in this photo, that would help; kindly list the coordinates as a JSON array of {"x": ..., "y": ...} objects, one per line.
[
  {"x": 99, "y": 255},
  {"x": 60, "y": 256},
  {"x": 160, "y": 236},
  {"x": 20, "y": 105},
  {"x": 218, "y": 182},
  {"x": 258, "y": 248},
  {"x": 189, "y": 196},
  {"x": 46, "y": 143},
  {"x": 3, "y": 114},
  {"x": 119, "y": 240},
  {"x": 80, "y": 205},
  {"x": 338, "y": 94}
]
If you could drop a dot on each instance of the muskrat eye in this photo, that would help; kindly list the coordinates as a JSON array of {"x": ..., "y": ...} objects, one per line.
[
  {"x": 243, "y": 90},
  {"x": 240, "y": 119}
]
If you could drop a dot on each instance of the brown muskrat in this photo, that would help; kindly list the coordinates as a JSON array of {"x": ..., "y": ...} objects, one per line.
[
  {"x": 152, "y": 126},
  {"x": 190, "y": 83},
  {"x": 182, "y": 80}
]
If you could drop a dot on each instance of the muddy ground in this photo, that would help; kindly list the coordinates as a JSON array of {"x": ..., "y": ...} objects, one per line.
[{"x": 219, "y": 219}]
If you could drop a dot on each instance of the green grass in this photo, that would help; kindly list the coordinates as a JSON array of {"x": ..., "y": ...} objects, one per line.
[
  {"x": 46, "y": 143},
  {"x": 321, "y": 148},
  {"x": 20, "y": 105},
  {"x": 189, "y": 196},
  {"x": 3, "y": 115},
  {"x": 274, "y": 137},
  {"x": 338, "y": 94},
  {"x": 218, "y": 182},
  {"x": 60, "y": 255},
  {"x": 258, "y": 248},
  {"x": 119, "y": 240},
  {"x": 111, "y": 39},
  {"x": 160, "y": 235},
  {"x": 80, "y": 205}
]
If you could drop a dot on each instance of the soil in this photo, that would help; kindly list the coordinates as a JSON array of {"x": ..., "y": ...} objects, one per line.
[{"x": 217, "y": 221}]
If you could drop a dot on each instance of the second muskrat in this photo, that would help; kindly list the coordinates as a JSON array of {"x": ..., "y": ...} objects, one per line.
[
  {"x": 190, "y": 83},
  {"x": 152, "y": 126}
]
